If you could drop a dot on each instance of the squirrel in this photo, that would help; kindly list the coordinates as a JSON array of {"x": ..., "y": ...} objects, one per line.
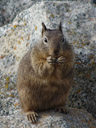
[{"x": 45, "y": 74}]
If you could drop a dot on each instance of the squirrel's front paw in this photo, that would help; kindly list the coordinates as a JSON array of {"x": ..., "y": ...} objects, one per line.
[
  {"x": 54, "y": 60},
  {"x": 32, "y": 116},
  {"x": 51, "y": 59},
  {"x": 61, "y": 59}
]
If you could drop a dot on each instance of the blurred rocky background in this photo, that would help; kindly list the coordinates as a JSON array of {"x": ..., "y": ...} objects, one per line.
[
  {"x": 20, "y": 23},
  {"x": 10, "y": 8}
]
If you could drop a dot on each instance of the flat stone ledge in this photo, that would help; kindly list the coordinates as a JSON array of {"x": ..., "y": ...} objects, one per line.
[{"x": 76, "y": 118}]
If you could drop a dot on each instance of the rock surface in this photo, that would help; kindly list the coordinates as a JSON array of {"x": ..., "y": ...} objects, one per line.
[
  {"x": 10, "y": 8},
  {"x": 79, "y": 27},
  {"x": 75, "y": 119}
]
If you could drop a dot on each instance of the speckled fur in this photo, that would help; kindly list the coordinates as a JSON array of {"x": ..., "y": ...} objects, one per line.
[{"x": 42, "y": 85}]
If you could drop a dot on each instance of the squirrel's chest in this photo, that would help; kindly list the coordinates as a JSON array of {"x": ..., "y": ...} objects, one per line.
[
  {"x": 44, "y": 86},
  {"x": 47, "y": 86}
]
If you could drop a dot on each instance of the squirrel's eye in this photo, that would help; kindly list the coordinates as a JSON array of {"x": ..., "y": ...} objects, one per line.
[
  {"x": 45, "y": 40},
  {"x": 63, "y": 40}
]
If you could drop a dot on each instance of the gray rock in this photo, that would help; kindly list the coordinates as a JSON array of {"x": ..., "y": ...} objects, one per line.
[
  {"x": 75, "y": 118},
  {"x": 10, "y": 8}
]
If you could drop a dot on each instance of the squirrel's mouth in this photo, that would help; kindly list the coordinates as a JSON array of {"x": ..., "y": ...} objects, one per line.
[{"x": 56, "y": 60}]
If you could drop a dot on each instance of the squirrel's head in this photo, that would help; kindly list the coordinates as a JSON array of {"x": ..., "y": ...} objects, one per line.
[{"x": 52, "y": 40}]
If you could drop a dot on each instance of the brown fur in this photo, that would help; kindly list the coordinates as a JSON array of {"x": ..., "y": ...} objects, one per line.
[{"x": 43, "y": 85}]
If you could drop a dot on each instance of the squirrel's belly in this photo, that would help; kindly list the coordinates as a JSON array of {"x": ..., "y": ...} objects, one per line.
[
  {"x": 47, "y": 98},
  {"x": 46, "y": 93}
]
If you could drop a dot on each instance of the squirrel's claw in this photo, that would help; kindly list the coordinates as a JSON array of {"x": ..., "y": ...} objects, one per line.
[
  {"x": 51, "y": 59},
  {"x": 61, "y": 59},
  {"x": 32, "y": 116},
  {"x": 64, "y": 110}
]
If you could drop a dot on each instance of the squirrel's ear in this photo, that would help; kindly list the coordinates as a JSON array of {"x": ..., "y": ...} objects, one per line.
[
  {"x": 43, "y": 28},
  {"x": 60, "y": 26}
]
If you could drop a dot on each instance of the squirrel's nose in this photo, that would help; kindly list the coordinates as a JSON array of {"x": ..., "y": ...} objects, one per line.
[{"x": 56, "y": 52}]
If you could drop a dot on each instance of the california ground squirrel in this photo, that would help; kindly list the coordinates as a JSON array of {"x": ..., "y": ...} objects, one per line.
[{"x": 45, "y": 74}]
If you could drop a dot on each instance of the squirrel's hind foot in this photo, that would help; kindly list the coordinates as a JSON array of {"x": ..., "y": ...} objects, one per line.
[
  {"x": 64, "y": 110},
  {"x": 32, "y": 116}
]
